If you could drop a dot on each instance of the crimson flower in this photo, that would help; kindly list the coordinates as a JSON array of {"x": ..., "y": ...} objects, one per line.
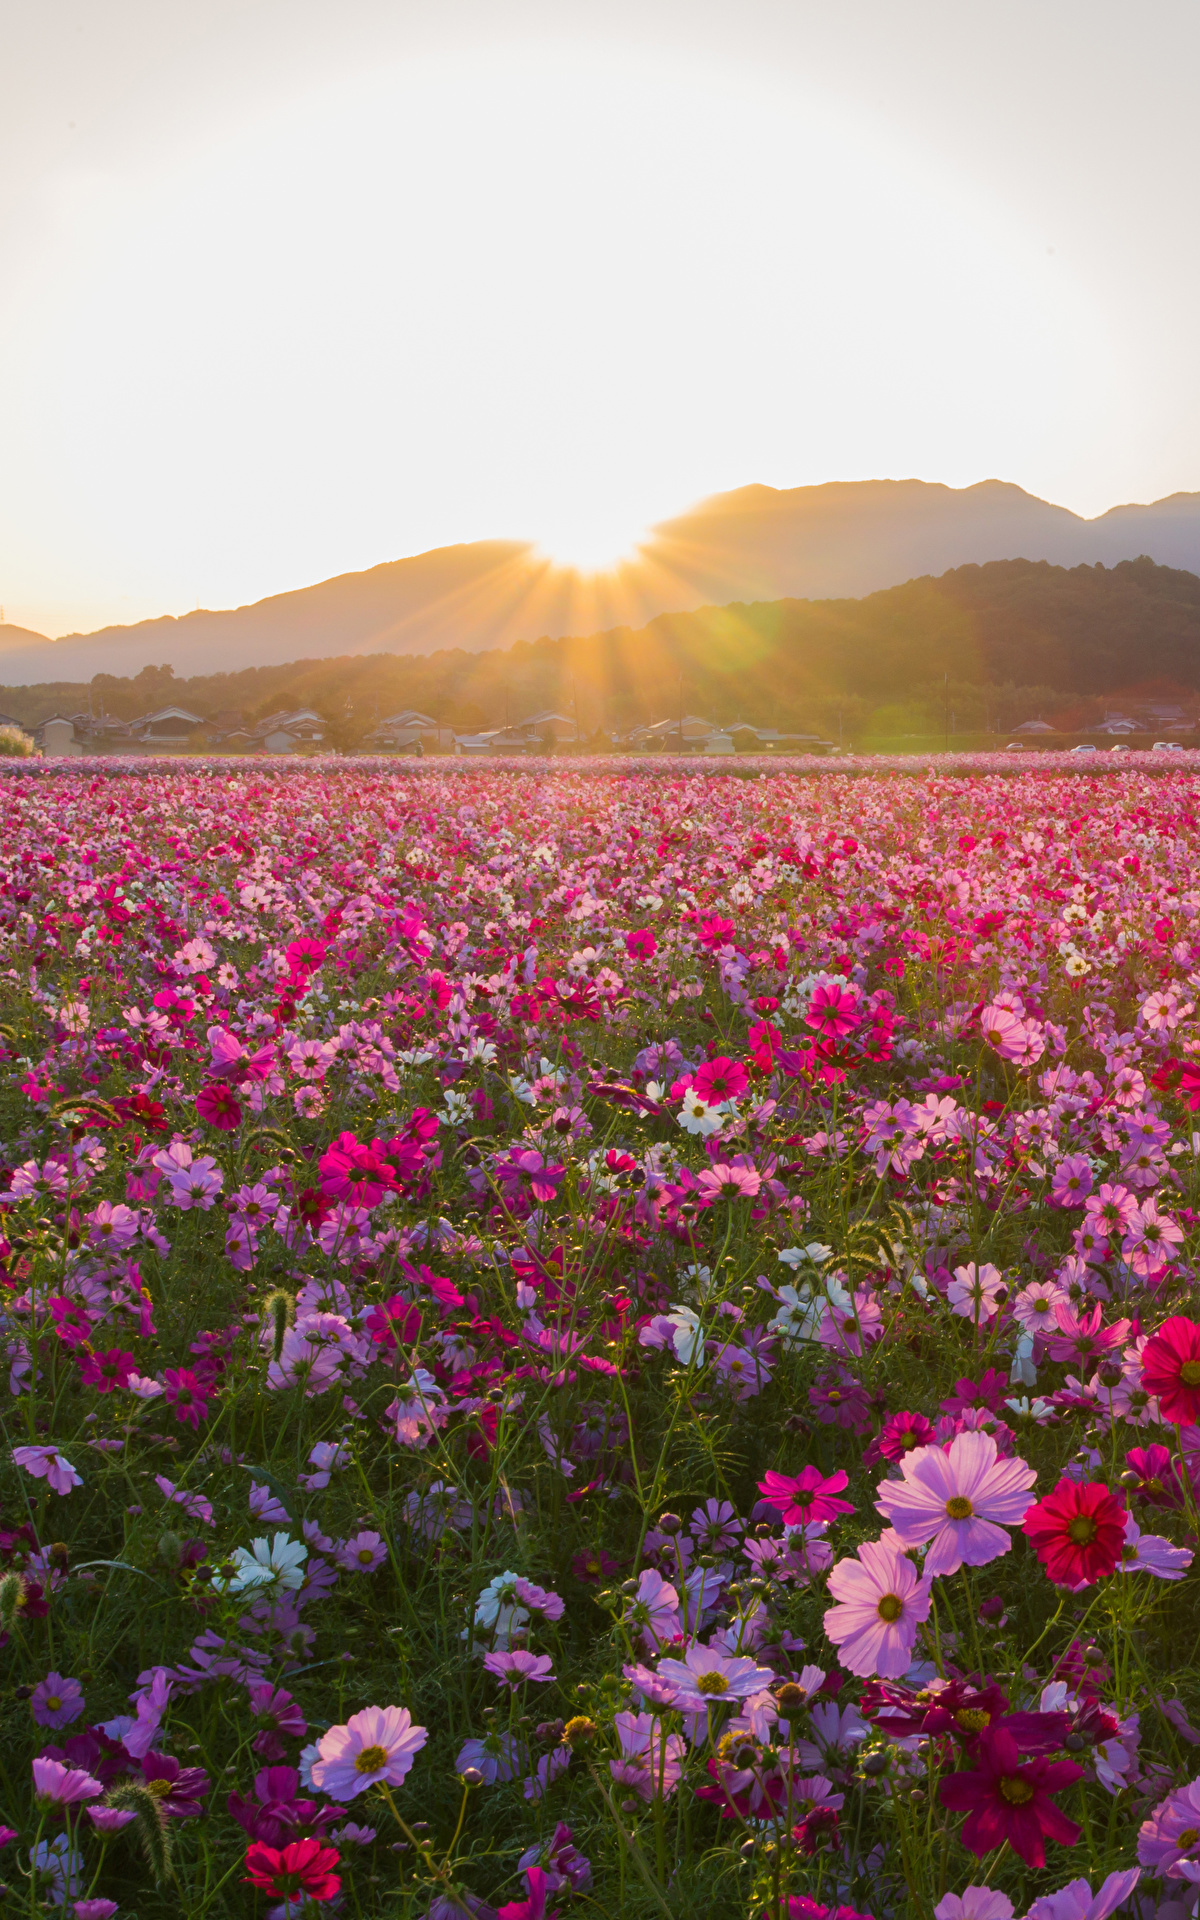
[
  {"x": 107, "y": 1370},
  {"x": 1078, "y": 1532},
  {"x": 805, "y": 1496},
  {"x": 304, "y": 1867},
  {"x": 216, "y": 1104},
  {"x": 184, "y": 1390},
  {"x": 1004, "y": 1800},
  {"x": 1171, "y": 1370}
]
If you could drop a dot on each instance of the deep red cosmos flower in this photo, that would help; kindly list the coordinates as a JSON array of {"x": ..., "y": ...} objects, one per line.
[
  {"x": 805, "y": 1496},
  {"x": 1078, "y": 1532},
  {"x": 1005, "y": 1800},
  {"x": 216, "y": 1104},
  {"x": 1171, "y": 1370},
  {"x": 304, "y": 1867}
]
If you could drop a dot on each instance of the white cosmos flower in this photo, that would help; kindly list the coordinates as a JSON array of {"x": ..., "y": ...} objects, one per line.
[{"x": 278, "y": 1562}]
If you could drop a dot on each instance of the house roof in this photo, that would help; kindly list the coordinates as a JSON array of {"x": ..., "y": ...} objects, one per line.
[
  {"x": 408, "y": 718},
  {"x": 168, "y": 713}
]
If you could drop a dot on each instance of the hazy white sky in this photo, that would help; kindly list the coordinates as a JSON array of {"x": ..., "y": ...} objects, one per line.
[{"x": 289, "y": 287}]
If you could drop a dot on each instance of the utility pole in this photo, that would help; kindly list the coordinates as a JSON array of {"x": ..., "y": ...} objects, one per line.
[
  {"x": 946, "y": 704},
  {"x": 681, "y": 713}
]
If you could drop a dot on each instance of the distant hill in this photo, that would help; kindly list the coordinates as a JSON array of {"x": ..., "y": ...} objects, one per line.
[
  {"x": 755, "y": 544},
  {"x": 981, "y": 645}
]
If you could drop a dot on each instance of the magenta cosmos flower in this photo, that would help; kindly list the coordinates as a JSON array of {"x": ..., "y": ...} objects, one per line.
[
  {"x": 376, "y": 1745},
  {"x": 960, "y": 1500},
  {"x": 805, "y": 1496},
  {"x": 882, "y": 1600}
]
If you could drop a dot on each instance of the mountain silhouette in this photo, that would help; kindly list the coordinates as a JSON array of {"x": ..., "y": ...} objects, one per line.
[{"x": 841, "y": 540}]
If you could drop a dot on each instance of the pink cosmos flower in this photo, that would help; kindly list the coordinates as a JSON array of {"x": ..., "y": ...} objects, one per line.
[
  {"x": 654, "y": 1609},
  {"x": 1033, "y": 1308},
  {"x": 378, "y": 1744},
  {"x": 1169, "y": 1841},
  {"x": 1150, "y": 1237},
  {"x": 1071, "y": 1181},
  {"x": 729, "y": 1183},
  {"x": 882, "y": 1600},
  {"x": 114, "y": 1227},
  {"x": 650, "y": 1762},
  {"x": 708, "y": 1677},
  {"x": 976, "y": 1293},
  {"x": 974, "y": 1903},
  {"x": 1110, "y": 1212},
  {"x": 362, "y": 1553},
  {"x": 515, "y": 1668},
  {"x": 961, "y": 1500},
  {"x": 48, "y": 1464},
  {"x": 63, "y": 1786},
  {"x": 1003, "y": 1032}
]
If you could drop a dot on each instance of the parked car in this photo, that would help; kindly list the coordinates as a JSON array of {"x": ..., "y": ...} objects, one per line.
[
  {"x": 1167, "y": 746},
  {"x": 1119, "y": 748},
  {"x": 1015, "y": 746},
  {"x": 1085, "y": 749}
]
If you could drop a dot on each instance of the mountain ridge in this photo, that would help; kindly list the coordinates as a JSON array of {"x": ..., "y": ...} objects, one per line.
[{"x": 836, "y": 540}]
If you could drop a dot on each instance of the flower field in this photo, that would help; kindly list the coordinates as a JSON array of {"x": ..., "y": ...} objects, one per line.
[{"x": 613, "y": 1342}]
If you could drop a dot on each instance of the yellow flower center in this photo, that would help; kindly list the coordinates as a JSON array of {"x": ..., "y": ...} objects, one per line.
[
  {"x": 958, "y": 1507},
  {"x": 710, "y": 1683},
  {"x": 973, "y": 1719},
  {"x": 159, "y": 1788},
  {"x": 53, "y": 1702},
  {"x": 1189, "y": 1373},
  {"x": 1016, "y": 1790},
  {"x": 890, "y": 1607},
  {"x": 1081, "y": 1530},
  {"x": 370, "y": 1760},
  {"x": 1188, "y": 1837}
]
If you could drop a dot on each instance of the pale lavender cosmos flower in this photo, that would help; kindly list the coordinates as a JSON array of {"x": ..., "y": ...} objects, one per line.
[
  {"x": 961, "y": 1500},
  {"x": 1151, "y": 1553},
  {"x": 974, "y": 1903},
  {"x": 376, "y": 1745},
  {"x": 56, "y": 1701},
  {"x": 48, "y": 1464},
  {"x": 514, "y": 1669},
  {"x": 1076, "y": 1901},
  {"x": 707, "y": 1677}
]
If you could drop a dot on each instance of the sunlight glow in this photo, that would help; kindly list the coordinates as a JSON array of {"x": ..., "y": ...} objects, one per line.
[{"x": 521, "y": 296}]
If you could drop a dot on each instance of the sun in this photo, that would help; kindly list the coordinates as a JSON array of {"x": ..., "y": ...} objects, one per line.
[{"x": 590, "y": 541}]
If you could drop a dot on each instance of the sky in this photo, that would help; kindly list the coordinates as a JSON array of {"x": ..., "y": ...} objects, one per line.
[{"x": 289, "y": 288}]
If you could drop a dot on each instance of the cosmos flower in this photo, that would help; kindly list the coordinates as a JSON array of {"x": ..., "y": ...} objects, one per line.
[
  {"x": 1171, "y": 1369},
  {"x": 1006, "y": 1798},
  {"x": 882, "y": 1600},
  {"x": 48, "y": 1464},
  {"x": 1077, "y": 1532},
  {"x": 56, "y": 1702},
  {"x": 378, "y": 1744},
  {"x": 961, "y": 1501}
]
